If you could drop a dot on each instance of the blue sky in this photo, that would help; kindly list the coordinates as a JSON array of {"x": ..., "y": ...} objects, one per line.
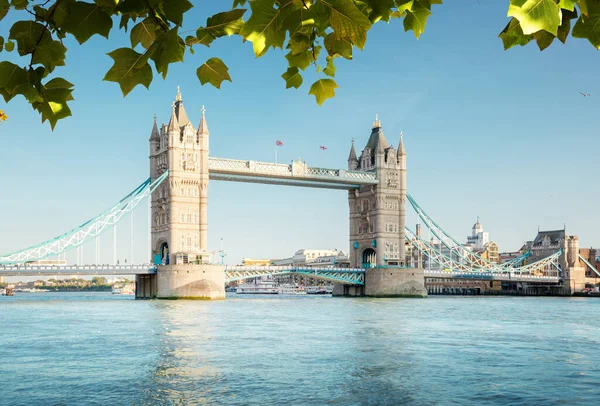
[{"x": 503, "y": 135}]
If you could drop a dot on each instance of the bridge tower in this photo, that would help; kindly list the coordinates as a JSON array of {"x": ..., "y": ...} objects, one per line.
[
  {"x": 377, "y": 215},
  {"x": 179, "y": 208},
  {"x": 377, "y": 219}
]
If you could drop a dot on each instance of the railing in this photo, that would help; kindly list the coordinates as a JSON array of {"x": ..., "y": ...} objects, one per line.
[
  {"x": 296, "y": 170},
  {"x": 20, "y": 270}
]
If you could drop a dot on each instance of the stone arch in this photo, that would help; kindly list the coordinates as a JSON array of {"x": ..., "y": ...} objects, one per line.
[
  {"x": 163, "y": 251},
  {"x": 369, "y": 258}
]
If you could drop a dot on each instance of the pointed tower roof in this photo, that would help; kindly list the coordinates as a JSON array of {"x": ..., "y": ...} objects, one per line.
[
  {"x": 203, "y": 127},
  {"x": 401, "y": 150},
  {"x": 155, "y": 134},
  {"x": 173, "y": 122},
  {"x": 182, "y": 117},
  {"x": 377, "y": 138},
  {"x": 352, "y": 156}
]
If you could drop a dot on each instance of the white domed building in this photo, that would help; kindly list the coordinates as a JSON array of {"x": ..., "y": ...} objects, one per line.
[{"x": 478, "y": 238}]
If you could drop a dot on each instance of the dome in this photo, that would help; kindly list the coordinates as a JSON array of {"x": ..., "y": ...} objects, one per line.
[{"x": 477, "y": 227}]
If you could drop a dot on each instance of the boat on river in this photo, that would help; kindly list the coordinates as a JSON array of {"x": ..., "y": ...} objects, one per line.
[
  {"x": 258, "y": 288},
  {"x": 289, "y": 289},
  {"x": 319, "y": 290}
]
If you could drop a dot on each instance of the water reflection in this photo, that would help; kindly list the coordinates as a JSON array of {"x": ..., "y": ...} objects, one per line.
[{"x": 300, "y": 351}]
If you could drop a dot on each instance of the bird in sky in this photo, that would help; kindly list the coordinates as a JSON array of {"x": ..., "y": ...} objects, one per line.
[
  {"x": 323, "y": 148},
  {"x": 585, "y": 94}
]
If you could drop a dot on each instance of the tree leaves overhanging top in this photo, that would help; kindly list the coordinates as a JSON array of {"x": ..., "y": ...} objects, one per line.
[{"x": 314, "y": 33}]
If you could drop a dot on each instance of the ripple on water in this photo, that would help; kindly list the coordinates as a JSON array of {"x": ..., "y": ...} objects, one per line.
[{"x": 73, "y": 349}]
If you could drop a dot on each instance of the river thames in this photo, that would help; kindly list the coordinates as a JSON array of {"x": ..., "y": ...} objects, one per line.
[{"x": 97, "y": 348}]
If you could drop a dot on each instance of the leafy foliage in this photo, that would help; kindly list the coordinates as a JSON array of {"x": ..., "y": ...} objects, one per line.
[{"x": 314, "y": 33}]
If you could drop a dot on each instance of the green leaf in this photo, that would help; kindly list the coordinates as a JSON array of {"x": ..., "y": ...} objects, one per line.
[
  {"x": 301, "y": 18},
  {"x": 60, "y": 12},
  {"x": 167, "y": 48},
  {"x": 28, "y": 34},
  {"x": 4, "y": 6},
  {"x": 19, "y": 4},
  {"x": 298, "y": 43},
  {"x": 50, "y": 54},
  {"x": 588, "y": 27},
  {"x": 543, "y": 39},
  {"x": 132, "y": 7},
  {"x": 263, "y": 28},
  {"x": 174, "y": 10},
  {"x": 292, "y": 78},
  {"x": 29, "y": 92},
  {"x": 213, "y": 71},
  {"x": 9, "y": 46},
  {"x": 143, "y": 33},
  {"x": 338, "y": 46},
  {"x": 304, "y": 59},
  {"x": 55, "y": 94},
  {"x": 11, "y": 76},
  {"x": 567, "y": 4},
  {"x": 513, "y": 35},
  {"x": 330, "y": 68},
  {"x": 380, "y": 10},
  {"x": 348, "y": 21},
  {"x": 87, "y": 19},
  {"x": 323, "y": 89},
  {"x": 129, "y": 69},
  {"x": 1, "y": 43},
  {"x": 535, "y": 15},
  {"x": 416, "y": 17},
  {"x": 221, "y": 24},
  {"x": 565, "y": 27},
  {"x": 238, "y": 3}
]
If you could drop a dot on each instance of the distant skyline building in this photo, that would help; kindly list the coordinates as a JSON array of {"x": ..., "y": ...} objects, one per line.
[
  {"x": 478, "y": 238},
  {"x": 308, "y": 257}
]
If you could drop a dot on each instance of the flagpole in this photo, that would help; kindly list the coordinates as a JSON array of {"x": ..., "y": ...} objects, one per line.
[{"x": 275, "y": 153}]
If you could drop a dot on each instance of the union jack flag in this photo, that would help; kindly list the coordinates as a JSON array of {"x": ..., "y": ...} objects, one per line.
[{"x": 279, "y": 143}]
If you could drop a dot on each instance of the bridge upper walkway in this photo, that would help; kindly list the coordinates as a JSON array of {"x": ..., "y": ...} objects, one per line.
[{"x": 294, "y": 174}]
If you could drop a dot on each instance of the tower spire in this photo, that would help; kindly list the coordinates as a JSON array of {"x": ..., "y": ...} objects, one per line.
[
  {"x": 173, "y": 122},
  {"x": 401, "y": 151},
  {"x": 376, "y": 123},
  {"x": 178, "y": 97},
  {"x": 203, "y": 127},
  {"x": 154, "y": 134},
  {"x": 352, "y": 157}
]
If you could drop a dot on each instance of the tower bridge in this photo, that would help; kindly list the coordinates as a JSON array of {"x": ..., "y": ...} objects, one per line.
[{"x": 386, "y": 257}]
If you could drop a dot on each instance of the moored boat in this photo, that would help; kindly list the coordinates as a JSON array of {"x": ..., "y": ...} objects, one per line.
[
  {"x": 258, "y": 288},
  {"x": 291, "y": 290}
]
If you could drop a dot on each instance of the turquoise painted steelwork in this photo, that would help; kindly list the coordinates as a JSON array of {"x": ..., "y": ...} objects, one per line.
[
  {"x": 345, "y": 276},
  {"x": 589, "y": 265},
  {"x": 91, "y": 228}
]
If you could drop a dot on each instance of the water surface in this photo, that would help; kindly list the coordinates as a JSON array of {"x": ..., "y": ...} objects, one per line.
[{"x": 98, "y": 348}]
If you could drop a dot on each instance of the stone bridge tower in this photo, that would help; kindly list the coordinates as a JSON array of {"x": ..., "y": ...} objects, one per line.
[
  {"x": 377, "y": 213},
  {"x": 377, "y": 221},
  {"x": 179, "y": 213},
  {"x": 179, "y": 205}
]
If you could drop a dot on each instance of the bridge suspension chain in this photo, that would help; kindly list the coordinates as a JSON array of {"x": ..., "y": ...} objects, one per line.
[
  {"x": 88, "y": 230},
  {"x": 456, "y": 249},
  {"x": 546, "y": 266}
]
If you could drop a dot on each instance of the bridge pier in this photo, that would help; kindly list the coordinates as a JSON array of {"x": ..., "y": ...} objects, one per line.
[
  {"x": 340, "y": 289},
  {"x": 387, "y": 282},
  {"x": 145, "y": 286},
  {"x": 395, "y": 282},
  {"x": 190, "y": 281}
]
